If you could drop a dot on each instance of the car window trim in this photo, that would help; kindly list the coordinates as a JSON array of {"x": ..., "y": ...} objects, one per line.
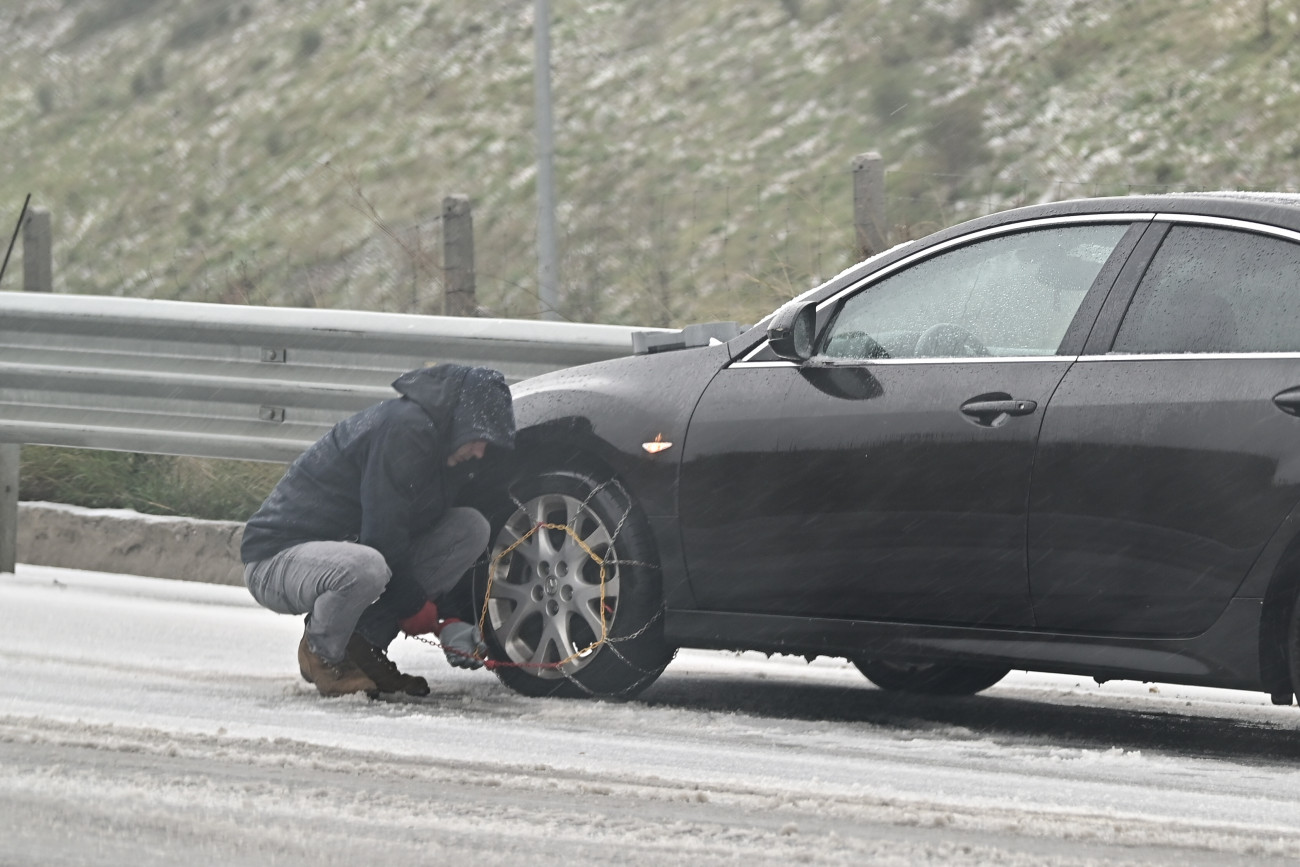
[
  {"x": 1231, "y": 223},
  {"x": 974, "y": 237},
  {"x": 889, "y": 362},
  {"x": 1193, "y": 356}
]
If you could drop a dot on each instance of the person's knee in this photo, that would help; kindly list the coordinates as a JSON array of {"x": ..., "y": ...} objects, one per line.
[
  {"x": 471, "y": 528},
  {"x": 368, "y": 571},
  {"x": 443, "y": 554},
  {"x": 477, "y": 530}
]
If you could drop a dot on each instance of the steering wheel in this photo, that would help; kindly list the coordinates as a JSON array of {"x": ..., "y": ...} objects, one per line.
[
  {"x": 948, "y": 340},
  {"x": 854, "y": 345}
]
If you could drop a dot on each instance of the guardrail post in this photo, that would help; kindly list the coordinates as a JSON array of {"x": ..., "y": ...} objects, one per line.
[
  {"x": 458, "y": 257},
  {"x": 869, "y": 204},
  {"x": 38, "y": 269}
]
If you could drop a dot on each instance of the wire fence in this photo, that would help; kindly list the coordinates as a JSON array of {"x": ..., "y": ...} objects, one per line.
[
  {"x": 733, "y": 251},
  {"x": 666, "y": 256}
]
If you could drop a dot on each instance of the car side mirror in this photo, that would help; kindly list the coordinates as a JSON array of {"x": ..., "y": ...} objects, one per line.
[{"x": 791, "y": 332}]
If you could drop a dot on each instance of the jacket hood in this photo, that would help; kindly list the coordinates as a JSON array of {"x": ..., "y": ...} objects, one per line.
[{"x": 465, "y": 403}]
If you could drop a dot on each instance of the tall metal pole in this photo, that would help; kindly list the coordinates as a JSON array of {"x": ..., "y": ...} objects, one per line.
[{"x": 547, "y": 270}]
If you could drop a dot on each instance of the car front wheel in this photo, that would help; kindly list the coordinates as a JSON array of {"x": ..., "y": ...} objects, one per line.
[
  {"x": 929, "y": 678},
  {"x": 571, "y": 589}
]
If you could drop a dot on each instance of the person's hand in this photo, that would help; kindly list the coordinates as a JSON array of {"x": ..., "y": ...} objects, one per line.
[
  {"x": 421, "y": 622},
  {"x": 463, "y": 644}
]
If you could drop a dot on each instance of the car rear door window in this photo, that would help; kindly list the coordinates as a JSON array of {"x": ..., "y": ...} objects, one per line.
[
  {"x": 1215, "y": 290},
  {"x": 1013, "y": 295}
]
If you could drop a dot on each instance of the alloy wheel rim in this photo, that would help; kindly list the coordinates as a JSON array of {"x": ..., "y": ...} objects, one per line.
[{"x": 544, "y": 606}]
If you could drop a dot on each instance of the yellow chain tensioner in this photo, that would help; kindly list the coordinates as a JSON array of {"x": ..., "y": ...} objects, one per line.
[{"x": 492, "y": 569}]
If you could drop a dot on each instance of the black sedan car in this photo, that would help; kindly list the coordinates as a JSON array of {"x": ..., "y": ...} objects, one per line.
[{"x": 1061, "y": 438}]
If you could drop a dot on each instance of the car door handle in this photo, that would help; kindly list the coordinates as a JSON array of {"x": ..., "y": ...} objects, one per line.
[
  {"x": 993, "y": 408},
  {"x": 1288, "y": 401}
]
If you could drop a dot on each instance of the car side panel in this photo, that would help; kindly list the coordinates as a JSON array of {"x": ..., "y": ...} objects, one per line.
[
  {"x": 863, "y": 491},
  {"x": 1156, "y": 486}
]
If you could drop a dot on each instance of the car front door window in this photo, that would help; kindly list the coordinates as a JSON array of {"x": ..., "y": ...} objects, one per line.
[{"x": 1010, "y": 296}]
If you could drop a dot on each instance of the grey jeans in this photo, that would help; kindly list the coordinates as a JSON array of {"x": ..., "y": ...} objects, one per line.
[{"x": 337, "y": 583}]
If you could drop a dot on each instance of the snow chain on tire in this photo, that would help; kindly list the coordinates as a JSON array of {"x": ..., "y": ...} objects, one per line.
[{"x": 640, "y": 657}]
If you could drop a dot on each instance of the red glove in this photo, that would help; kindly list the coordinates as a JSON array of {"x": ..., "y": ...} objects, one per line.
[{"x": 421, "y": 622}]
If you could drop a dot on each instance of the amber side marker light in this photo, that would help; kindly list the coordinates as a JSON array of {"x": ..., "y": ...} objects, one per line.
[{"x": 657, "y": 446}]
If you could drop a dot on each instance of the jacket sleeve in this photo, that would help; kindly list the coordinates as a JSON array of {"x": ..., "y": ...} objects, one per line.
[{"x": 398, "y": 454}]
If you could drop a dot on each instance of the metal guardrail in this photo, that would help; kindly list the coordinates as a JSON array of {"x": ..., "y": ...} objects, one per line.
[{"x": 225, "y": 381}]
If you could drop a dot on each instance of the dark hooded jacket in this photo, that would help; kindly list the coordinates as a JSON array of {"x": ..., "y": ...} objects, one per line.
[{"x": 381, "y": 477}]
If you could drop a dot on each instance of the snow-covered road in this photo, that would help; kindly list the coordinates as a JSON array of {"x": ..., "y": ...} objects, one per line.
[{"x": 145, "y": 722}]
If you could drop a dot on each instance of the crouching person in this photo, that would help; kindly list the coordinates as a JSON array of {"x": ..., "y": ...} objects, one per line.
[{"x": 360, "y": 534}]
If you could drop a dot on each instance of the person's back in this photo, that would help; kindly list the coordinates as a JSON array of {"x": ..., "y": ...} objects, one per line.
[{"x": 387, "y": 438}]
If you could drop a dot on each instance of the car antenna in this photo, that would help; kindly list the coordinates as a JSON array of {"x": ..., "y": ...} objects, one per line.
[{"x": 21, "y": 214}]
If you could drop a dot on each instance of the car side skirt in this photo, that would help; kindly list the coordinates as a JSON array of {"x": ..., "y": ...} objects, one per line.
[{"x": 1225, "y": 655}]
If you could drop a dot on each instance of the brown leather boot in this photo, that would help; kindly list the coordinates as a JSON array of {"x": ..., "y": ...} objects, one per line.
[
  {"x": 341, "y": 678},
  {"x": 382, "y": 670},
  {"x": 304, "y": 664}
]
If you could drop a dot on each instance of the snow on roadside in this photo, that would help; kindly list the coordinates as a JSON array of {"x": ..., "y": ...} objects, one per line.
[{"x": 145, "y": 667}]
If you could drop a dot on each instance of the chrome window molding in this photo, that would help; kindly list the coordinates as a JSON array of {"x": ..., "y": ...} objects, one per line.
[
  {"x": 891, "y": 362},
  {"x": 1230, "y": 223},
  {"x": 1021, "y": 359},
  {"x": 983, "y": 359},
  {"x": 1193, "y": 356}
]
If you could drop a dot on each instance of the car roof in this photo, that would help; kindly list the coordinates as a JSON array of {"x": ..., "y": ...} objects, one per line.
[{"x": 1264, "y": 206}]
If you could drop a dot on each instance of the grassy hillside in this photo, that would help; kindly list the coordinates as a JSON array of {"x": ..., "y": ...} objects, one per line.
[{"x": 298, "y": 151}]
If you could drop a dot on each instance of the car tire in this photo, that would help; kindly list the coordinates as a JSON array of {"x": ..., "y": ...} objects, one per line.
[
  {"x": 541, "y": 601},
  {"x": 929, "y": 678}
]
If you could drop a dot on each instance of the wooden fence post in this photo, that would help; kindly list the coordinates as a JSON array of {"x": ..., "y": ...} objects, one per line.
[
  {"x": 38, "y": 276},
  {"x": 869, "y": 204},
  {"x": 458, "y": 257},
  {"x": 38, "y": 269}
]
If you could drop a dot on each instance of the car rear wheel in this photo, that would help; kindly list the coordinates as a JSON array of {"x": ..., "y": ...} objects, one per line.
[
  {"x": 571, "y": 590},
  {"x": 929, "y": 678}
]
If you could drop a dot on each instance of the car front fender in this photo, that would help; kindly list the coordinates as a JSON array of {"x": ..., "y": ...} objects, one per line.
[{"x": 611, "y": 410}]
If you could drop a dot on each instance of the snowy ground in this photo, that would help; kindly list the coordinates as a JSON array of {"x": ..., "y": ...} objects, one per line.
[{"x": 149, "y": 722}]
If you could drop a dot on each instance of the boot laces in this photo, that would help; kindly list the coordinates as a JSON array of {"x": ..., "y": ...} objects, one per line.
[{"x": 379, "y": 657}]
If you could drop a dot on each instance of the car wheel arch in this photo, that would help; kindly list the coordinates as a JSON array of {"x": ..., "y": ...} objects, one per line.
[{"x": 557, "y": 446}]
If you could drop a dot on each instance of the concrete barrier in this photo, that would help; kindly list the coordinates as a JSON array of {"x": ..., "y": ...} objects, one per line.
[{"x": 128, "y": 542}]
